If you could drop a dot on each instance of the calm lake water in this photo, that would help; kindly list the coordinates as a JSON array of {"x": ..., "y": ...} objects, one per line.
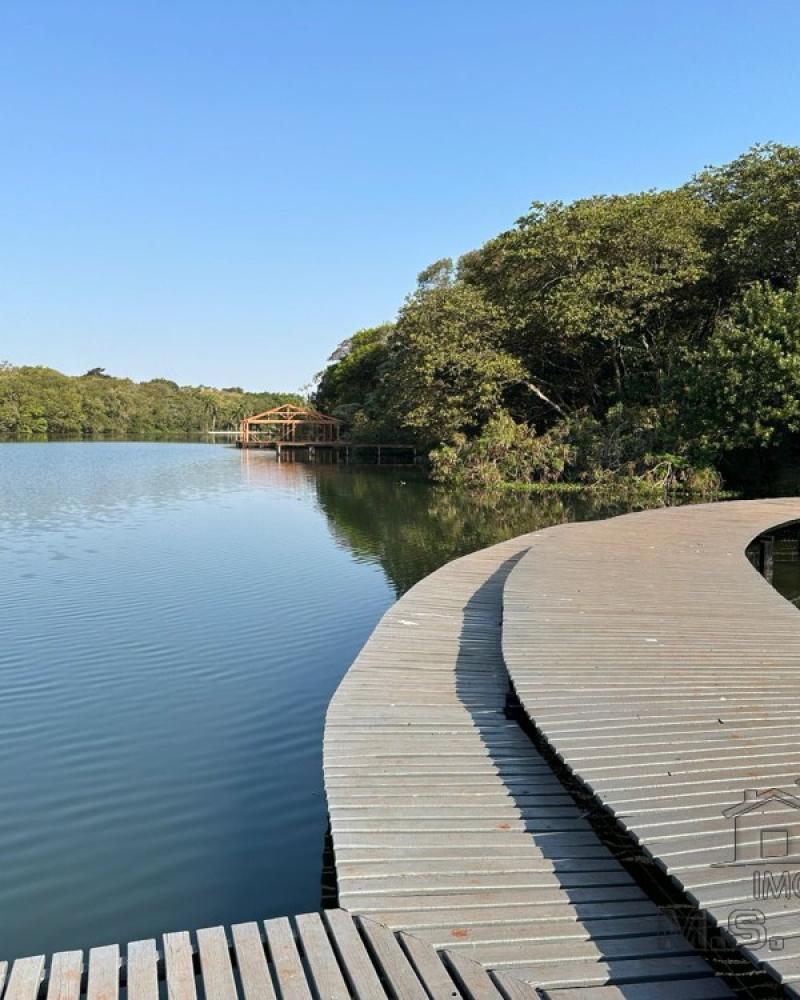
[{"x": 174, "y": 621}]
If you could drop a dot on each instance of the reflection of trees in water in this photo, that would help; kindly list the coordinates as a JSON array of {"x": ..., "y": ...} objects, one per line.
[
  {"x": 411, "y": 528},
  {"x": 396, "y": 518}
]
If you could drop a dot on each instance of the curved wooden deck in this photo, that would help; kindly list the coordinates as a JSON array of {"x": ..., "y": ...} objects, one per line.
[
  {"x": 665, "y": 672},
  {"x": 448, "y": 823}
]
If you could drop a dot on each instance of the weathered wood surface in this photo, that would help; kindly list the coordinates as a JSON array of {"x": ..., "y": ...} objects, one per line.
[
  {"x": 665, "y": 673},
  {"x": 305, "y": 958},
  {"x": 447, "y": 823}
]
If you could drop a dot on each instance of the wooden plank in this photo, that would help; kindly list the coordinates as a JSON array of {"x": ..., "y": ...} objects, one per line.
[
  {"x": 472, "y": 979},
  {"x": 529, "y": 861},
  {"x": 64, "y": 977},
  {"x": 142, "y": 967},
  {"x": 288, "y": 968},
  {"x": 610, "y": 950},
  {"x": 534, "y": 897},
  {"x": 26, "y": 975},
  {"x": 252, "y": 962},
  {"x": 179, "y": 966},
  {"x": 668, "y": 683},
  {"x": 619, "y": 972},
  {"x": 568, "y": 928},
  {"x": 398, "y": 974},
  {"x": 467, "y": 881},
  {"x": 358, "y": 968},
  {"x": 319, "y": 955},
  {"x": 429, "y": 967},
  {"x": 516, "y": 989},
  {"x": 686, "y": 989},
  {"x": 103, "y": 979},
  {"x": 459, "y": 917},
  {"x": 215, "y": 964}
]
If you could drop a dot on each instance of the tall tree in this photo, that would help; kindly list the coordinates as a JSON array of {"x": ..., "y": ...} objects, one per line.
[
  {"x": 347, "y": 385},
  {"x": 745, "y": 386},
  {"x": 600, "y": 294},
  {"x": 753, "y": 222},
  {"x": 447, "y": 369}
]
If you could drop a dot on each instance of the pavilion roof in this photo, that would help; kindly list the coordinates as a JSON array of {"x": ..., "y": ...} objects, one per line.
[{"x": 291, "y": 413}]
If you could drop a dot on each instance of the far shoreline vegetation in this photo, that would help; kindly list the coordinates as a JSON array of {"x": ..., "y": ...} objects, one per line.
[
  {"x": 634, "y": 344},
  {"x": 40, "y": 402}
]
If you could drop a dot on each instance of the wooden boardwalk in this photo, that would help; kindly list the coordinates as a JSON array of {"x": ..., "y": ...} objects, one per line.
[
  {"x": 447, "y": 823},
  {"x": 665, "y": 673},
  {"x": 333, "y": 957}
]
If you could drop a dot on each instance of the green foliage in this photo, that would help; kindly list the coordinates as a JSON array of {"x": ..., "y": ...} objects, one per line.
[
  {"x": 504, "y": 452},
  {"x": 754, "y": 218},
  {"x": 447, "y": 369},
  {"x": 614, "y": 339},
  {"x": 346, "y": 388},
  {"x": 597, "y": 292},
  {"x": 626, "y": 449},
  {"x": 41, "y": 402},
  {"x": 746, "y": 384}
]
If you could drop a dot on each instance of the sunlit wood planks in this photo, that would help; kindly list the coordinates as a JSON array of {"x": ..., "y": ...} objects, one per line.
[
  {"x": 309, "y": 957},
  {"x": 665, "y": 672},
  {"x": 446, "y": 821}
]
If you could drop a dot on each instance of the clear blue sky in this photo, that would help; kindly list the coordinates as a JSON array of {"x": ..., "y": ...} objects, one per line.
[{"x": 220, "y": 192}]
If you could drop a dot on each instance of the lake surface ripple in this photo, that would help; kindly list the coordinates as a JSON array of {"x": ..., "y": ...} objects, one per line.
[{"x": 174, "y": 621}]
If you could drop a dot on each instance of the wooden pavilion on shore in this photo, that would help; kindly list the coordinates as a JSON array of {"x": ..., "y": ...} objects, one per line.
[
  {"x": 290, "y": 428},
  {"x": 288, "y": 424}
]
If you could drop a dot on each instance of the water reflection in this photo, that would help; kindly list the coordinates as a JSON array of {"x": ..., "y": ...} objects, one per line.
[{"x": 411, "y": 528}]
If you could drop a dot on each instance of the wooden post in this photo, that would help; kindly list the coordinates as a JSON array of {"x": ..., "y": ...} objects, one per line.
[{"x": 766, "y": 558}]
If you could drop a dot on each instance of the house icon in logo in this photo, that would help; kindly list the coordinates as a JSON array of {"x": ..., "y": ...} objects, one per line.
[{"x": 766, "y": 828}]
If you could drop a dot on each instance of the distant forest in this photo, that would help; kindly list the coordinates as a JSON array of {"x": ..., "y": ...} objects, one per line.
[
  {"x": 648, "y": 338},
  {"x": 41, "y": 402}
]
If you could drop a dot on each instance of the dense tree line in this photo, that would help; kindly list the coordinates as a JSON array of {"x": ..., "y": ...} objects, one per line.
[
  {"x": 41, "y": 402},
  {"x": 649, "y": 337}
]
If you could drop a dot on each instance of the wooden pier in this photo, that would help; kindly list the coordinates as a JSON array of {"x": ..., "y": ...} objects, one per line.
[
  {"x": 665, "y": 673},
  {"x": 288, "y": 430},
  {"x": 658, "y": 668},
  {"x": 447, "y": 823},
  {"x": 289, "y": 424}
]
